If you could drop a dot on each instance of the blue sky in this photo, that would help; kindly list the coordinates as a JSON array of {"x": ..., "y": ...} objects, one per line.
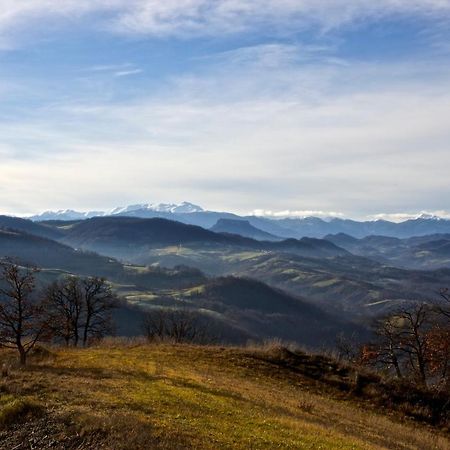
[{"x": 297, "y": 106}]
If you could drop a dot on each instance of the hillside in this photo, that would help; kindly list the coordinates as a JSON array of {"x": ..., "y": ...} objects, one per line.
[
  {"x": 317, "y": 270},
  {"x": 27, "y": 226},
  {"x": 243, "y": 228},
  {"x": 419, "y": 252},
  {"x": 347, "y": 286},
  {"x": 46, "y": 253},
  {"x": 234, "y": 310},
  {"x": 185, "y": 397},
  {"x": 56, "y": 259},
  {"x": 131, "y": 238}
]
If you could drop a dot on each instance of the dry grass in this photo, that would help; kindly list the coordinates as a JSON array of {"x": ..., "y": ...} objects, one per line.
[
  {"x": 15, "y": 410},
  {"x": 134, "y": 396}
]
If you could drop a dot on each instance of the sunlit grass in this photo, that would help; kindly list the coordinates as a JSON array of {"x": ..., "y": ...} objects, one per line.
[{"x": 205, "y": 398}]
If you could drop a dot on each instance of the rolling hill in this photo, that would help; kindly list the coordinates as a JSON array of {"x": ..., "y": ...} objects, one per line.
[
  {"x": 27, "y": 226},
  {"x": 56, "y": 259},
  {"x": 348, "y": 286},
  {"x": 235, "y": 310},
  {"x": 131, "y": 238},
  {"x": 47, "y": 253},
  {"x": 423, "y": 252},
  {"x": 225, "y": 304}
]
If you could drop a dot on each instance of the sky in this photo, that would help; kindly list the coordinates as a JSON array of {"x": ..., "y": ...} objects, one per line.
[{"x": 301, "y": 106}]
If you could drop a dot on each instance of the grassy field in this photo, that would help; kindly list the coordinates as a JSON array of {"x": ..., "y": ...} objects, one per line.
[{"x": 124, "y": 396}]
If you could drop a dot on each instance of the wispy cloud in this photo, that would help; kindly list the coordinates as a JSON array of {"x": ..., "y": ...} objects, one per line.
[
  {"x": 279, "y": 125},
  {"x": 296, "y": 214},
  {"x": 400, "y": 217},
  {"x": 311, "y": 137},
  {"x": 125, "y": 73},
  {"x": 109, "y": 67},
  {"x": 206, "y": 17},
  {"x": 231, "y": 16}
]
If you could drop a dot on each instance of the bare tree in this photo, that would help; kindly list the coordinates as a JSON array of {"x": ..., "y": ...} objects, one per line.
[
  {"x": 348, "y": 348},
  {"x": 388, "y": 350},
  {"x": 413, "y": 325},
  {"x": 404, "y": 342},
  {"x": 444, "y": 306},
  {"x": 154, "y": 325},
  {"x": 176, "y": 325},
  {"x": 22, "y": 321},
  {"x": 99, "y": 301},
  {"x": 65, "y": 305}
]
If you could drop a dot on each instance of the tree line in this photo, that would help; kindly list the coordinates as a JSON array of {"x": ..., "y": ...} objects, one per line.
[{"x": 72, "y": 310}]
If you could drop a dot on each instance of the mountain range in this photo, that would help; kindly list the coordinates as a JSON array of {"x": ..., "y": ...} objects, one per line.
[
  {"x": 157, "y": 262},
  {"x": 316, "y": 227},
  {"x": 232, "y": 308}
]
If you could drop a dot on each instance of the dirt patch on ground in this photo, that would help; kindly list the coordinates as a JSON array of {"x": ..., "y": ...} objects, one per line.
[{"x": 47, "y": 432}]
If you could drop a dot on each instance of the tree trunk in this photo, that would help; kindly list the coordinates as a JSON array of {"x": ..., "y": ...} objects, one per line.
[
  {"x": 86, "y": 330},
  {"x": 397, "y": 367},
  {"x": 76, "y": 336},
  {"x": 23, "y": 356}
]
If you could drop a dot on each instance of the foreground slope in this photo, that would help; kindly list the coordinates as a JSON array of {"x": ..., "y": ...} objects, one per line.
[{"x": 181, "y": 397}]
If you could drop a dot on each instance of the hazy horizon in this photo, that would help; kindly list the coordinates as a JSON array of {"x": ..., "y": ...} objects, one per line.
[{"x": 279, "y": 214}]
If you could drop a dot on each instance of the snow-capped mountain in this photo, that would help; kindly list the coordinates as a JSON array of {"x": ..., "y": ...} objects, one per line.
[
  {"x": 188, "y": 213},
  {"x": 69, "y": 214},
  {"x": 182, "y": 208},
  {"x": 66, "y": 214},
  {"x": 428, "y": 216}
]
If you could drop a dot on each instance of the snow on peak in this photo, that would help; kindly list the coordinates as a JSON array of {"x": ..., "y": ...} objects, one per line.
[
  {"x": 184, "y": 207},
  {"x": 429, "y": 216},
  {"x": 69, "y": 214}
]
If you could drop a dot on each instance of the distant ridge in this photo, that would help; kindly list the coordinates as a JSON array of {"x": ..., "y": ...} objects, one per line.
[
  {"x": 69, "y": 214},
  {"x": 423, "y": 252},
  {"x": 27, "y": 226},
  {"x": 243, "y": 228},
  {"x": 314, "y": 227},
  {"x": 120, "y": 236}
]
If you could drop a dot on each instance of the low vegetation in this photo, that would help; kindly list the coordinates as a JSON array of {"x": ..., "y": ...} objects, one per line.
[{"x": 130, "y": 395}]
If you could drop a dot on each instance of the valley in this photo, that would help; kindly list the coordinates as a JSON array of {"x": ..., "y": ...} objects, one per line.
[{"x": 334, "y": 285}]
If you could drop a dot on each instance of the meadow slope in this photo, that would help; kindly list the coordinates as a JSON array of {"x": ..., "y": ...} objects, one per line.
[{"x": 178, "y": 397}]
